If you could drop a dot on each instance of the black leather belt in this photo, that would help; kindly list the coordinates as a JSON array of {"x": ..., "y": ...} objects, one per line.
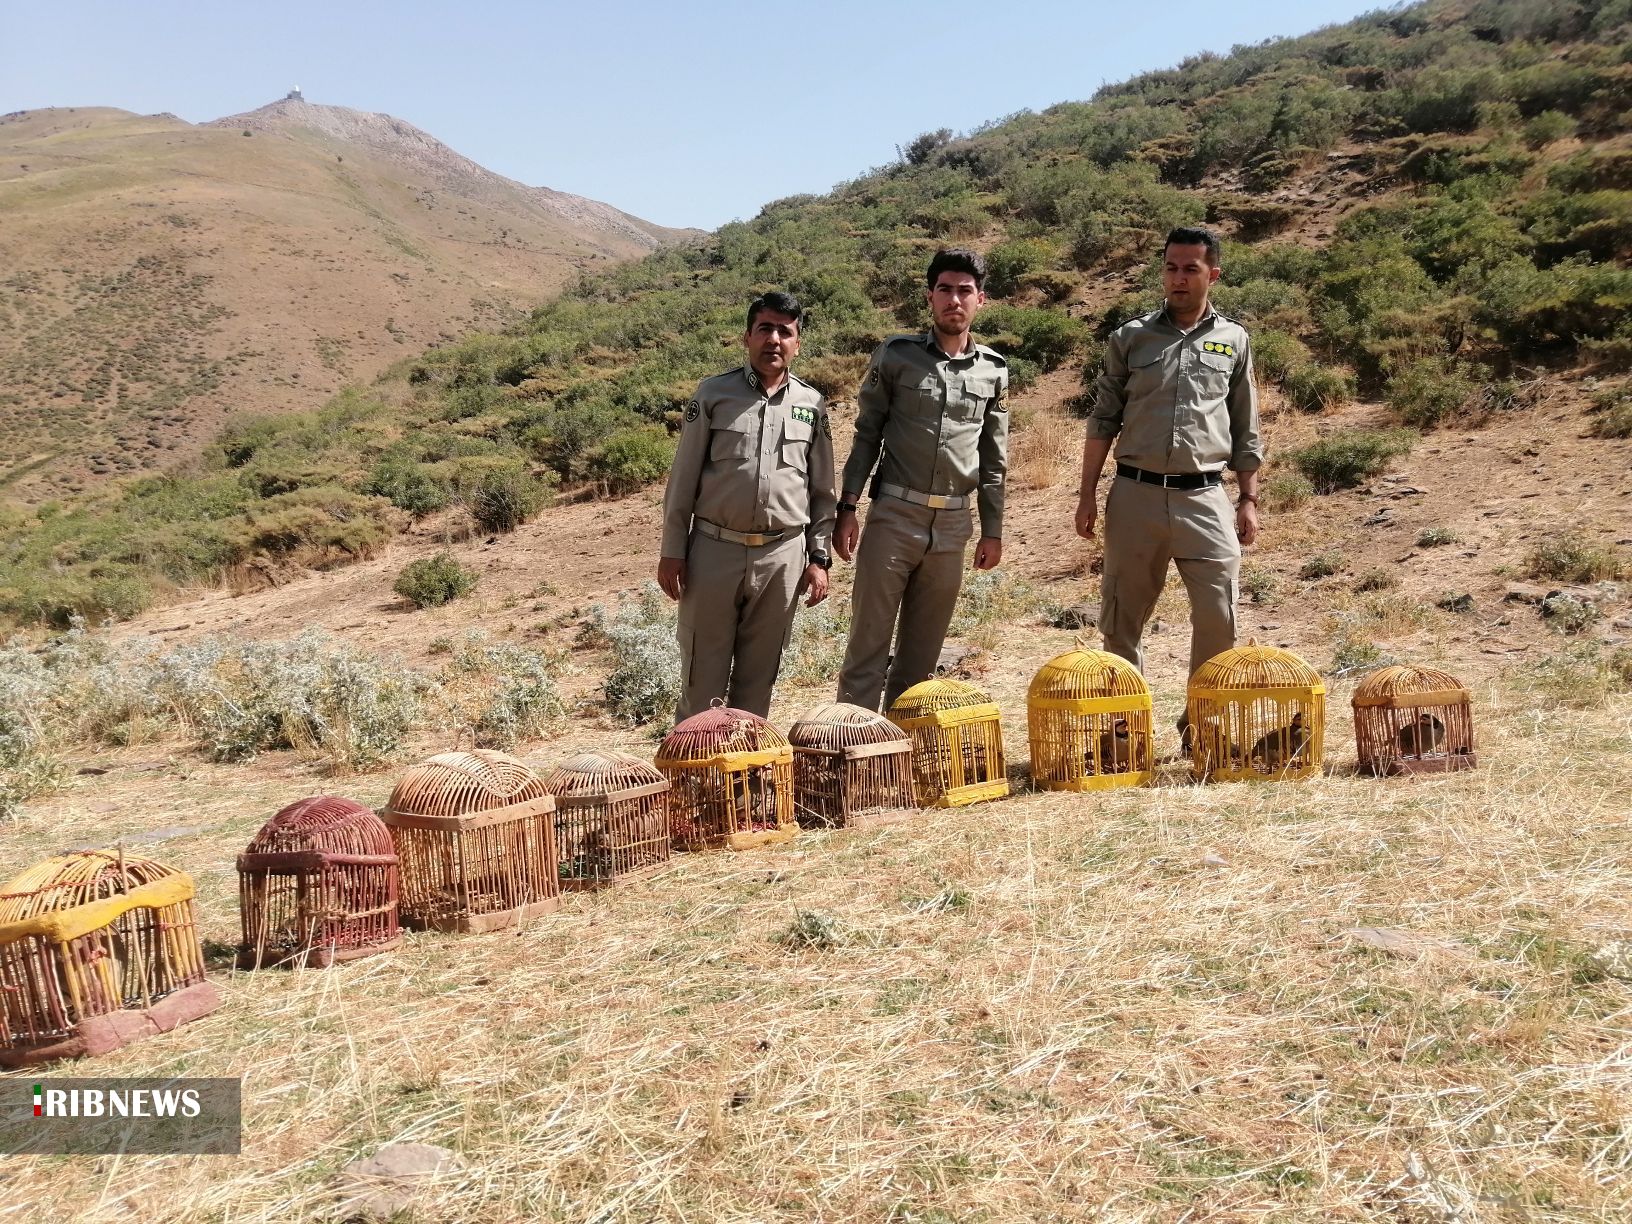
[{"x": 1171, "y": 480}]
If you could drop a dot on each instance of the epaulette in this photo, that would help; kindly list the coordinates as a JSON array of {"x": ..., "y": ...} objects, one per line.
[
  {"x": 917, "y": 337},
  {"x": 792, "y": 377},
  {"x": 996, "y": 356}
]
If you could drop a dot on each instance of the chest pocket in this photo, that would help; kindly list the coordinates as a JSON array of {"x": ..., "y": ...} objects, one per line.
[
  {"x": 1145, "y": 370},
  {"x": 796, "y": 437},
  {"x": 734, "y": 438},
  {"x": 923, "y": 397},
  {"x": 1213, "y": 372},
  {"x": 973, "y": 394}
]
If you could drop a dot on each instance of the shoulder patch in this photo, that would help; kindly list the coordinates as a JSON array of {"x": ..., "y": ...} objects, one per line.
[
  {"x": 692, "y": 409},
  {"x": 873, "y": 376},
  {"x": 826, "y": 420}
]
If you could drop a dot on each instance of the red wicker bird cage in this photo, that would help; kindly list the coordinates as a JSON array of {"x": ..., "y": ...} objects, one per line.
[
  {"x": 611, "y": 818},
  {"x": 475, "y": 833},
  {"x": 733, "y": 781},
  {"x": 851, "y": 768},
  {"x": 1411, "y": 720},
  {"x": 318, "y": 884},
  {"x": 97, "y": 949}
]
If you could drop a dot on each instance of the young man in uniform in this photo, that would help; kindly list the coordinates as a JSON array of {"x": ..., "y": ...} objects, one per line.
[
  {"x": 933, "y": 416},
  {"x": 1177, "y": 394},
  {"x": 747, "y": 516}
]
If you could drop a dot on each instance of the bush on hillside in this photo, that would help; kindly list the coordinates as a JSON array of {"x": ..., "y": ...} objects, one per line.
[
  {"x": 503, "y": 500},
  {"x": 1572, "y": 556},
  {"x": 644, "y": 683},
  {"x": 431, "y": 582},
  {"x": 1431, "y": 389},
  {"x": 1347, "y": 458},
  {"x": 633, "y": 458},
  {"x": 502, "y": 693},
  {"x": 1315, "y": 388}
]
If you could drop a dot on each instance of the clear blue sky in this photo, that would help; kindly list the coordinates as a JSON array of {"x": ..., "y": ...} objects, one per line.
[{"x": 691, "y": 112}]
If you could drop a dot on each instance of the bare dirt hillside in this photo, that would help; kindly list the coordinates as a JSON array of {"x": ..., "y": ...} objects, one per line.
[{"x": 157, "y": 276}]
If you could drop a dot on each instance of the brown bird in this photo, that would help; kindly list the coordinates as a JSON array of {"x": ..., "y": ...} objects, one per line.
[
  {"x": 1115, "y": 749},
  {"x": 1282, "y": 746},
  {"x": 1423, "y": 736},
  {"x": 762, "y": 798}
]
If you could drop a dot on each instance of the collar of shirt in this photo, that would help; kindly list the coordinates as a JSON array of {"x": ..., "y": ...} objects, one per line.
[
  {"x": 939, "y": 353},
  {"x": 1207, "y": 316},
  {"x": 752, "y": 376}
]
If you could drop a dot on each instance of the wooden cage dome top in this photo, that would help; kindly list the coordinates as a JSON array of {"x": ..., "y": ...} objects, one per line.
[
  {"x": 329, "y": 824},
  {"x": 842, "y": 725},
  {"x": 720, "y": 731},
  {"x": 1078, "y": 674},
  {"x": 86, "y": 876},
  {"x": 601, "y": 773},
  {"x": 1404, "y": 684},
  {"x": 1256, "y": 667},
  {"x": 457, "y": 783},
  {"x": 933, "y": 696}
]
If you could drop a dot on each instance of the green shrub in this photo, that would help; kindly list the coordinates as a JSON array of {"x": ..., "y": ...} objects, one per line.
[
  {"x": 1321, "y": 565},
  {"x": 1046, "y": 337},
  {"x": 1008, "y": 261},
  {"x": 1347, "y": 458},
  {"x": 1436, "y": 537},
  {"x": 1258, "y": 584},
  {"x": 407, "y": 485},
  {"x": 1430, "y": 389},
  {"x": 1275, "y": 353},
  {"x": 644, "y": 683},
  {"x": 315, "y": 526},
  {"x": 1612, "y": 413},
  {"x": 504, "y": 500},
  {"x": 1572, "y": 557},
  {"x": 1376, "y": 580},
  {"x": 633, "y": 459},
  {"x": 502, "y": 692},
  {"x": 1283, "y": 490},
  {"x": 1548, "y": 126},
  {"x": 1568, "y": 613},
  {"x": 1315, "y": 388},
  {"x": 431, "y": 582}
]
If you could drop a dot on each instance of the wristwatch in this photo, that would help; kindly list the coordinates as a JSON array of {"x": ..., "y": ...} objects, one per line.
[
  {"x": 847, "y": 507},
  {"x": 825, "y": 560}
]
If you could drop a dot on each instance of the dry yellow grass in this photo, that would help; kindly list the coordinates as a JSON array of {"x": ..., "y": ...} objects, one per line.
[{"x": 1135, "y": 1006}]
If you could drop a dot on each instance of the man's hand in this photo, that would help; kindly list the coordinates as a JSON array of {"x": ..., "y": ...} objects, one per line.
[
  {"x": 814, "y": 581},
  {"x": 988, "y": 552},
  {"x": 1246, "y": 522},
  {"x": 1087, "y": 513},
  {"x": 846, "y": 534},
  {"x": 671, "y": 576}
]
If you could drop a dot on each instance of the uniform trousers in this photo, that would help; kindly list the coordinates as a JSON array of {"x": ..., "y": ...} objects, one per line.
[
  {"x": 909, "y": 569},
  {"x": 736, "y": 616},
  {"x": 1146, "y": 526}
]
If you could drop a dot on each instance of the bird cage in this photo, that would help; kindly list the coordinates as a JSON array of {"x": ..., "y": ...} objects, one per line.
[
  {"x": 97, "y": 949},
  {"x": 733, "y": 781},
  {"x": 957, "y": 742},
  {"x": 1089, "y": 717},
  {"x": 1413, "y": 720},
  {"x": 851, "y": 768},
  {"x": 318, "y": 884},
  {"x": 475, "y": 832},
  {"x": 1256, "y": 712},
  {"x": 611, "y": 818}
]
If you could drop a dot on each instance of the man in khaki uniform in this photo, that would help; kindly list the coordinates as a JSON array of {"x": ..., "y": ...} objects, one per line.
[
  {"x": 1177, "y": 394},
  {"x": 935, "y": 405},
  {"x": 747, "y": 516}
]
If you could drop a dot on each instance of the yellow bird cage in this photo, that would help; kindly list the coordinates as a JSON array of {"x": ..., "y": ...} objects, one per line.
[
  {"x": 733, "y": 781},
  {"x": 475, "y": 835},
  {"x": 97, "y": 949},
  {"x": 611, "y": 818},
  {"x": 1410, "y": 720},
  {"x": 1256, "y": 712},
  {"x": 1089, "y": 712},
  {"x": 957, "y": 742},
  {"x": 852, "y": 768}
]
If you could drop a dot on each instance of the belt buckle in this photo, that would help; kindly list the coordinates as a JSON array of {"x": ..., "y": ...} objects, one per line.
[
  {"x": 754, "y": 539},
  {"x": 1166, "y": 477},
  {"x": 938, "y": 501}
]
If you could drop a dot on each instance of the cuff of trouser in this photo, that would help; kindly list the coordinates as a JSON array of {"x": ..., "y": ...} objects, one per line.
[{"x": 1246, "y": 463}]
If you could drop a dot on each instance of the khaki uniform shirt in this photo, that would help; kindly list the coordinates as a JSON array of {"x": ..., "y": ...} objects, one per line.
[
  {"x": 751, "y": 462},
  {"x": 1179, "y": 401},
  {"x": 942, "y": 423}
]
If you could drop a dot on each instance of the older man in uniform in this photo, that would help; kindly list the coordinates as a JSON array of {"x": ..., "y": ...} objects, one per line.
[
  {"x": 747, "y": 516},
  {"x": 935, "y": 406},
  {"x": 1177, "y": 394}
]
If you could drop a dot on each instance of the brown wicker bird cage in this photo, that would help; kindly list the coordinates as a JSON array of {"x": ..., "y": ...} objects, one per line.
[
  {"x": 318, "y": 884},
  {"x": 851, "y": 768},
  {"x": 611, "y": 818},
  {"x": 1088, "y": 713},
  {"x": 475, "y": 832},
  {"x": 1256, "y": 712},
  {"x": 733, "y": 781},
  {"x": 1413, "y": 720},
  {"x": 957, "y": 742},
  {"x": 97, "y": 949}
]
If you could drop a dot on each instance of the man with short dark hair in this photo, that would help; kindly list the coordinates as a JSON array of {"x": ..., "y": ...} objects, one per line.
[
  {"x": 1177, "y": 394},
  {"x": 933, "y": 417},
  {"x": 747, "y": 516}
]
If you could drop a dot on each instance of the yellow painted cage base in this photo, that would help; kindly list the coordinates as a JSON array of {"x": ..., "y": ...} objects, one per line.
[
  {"x": 978, "y": 792},
  {"x": 1099, "y": 782},
  {"x": 760, "y": 837},
  {"x": 1237, "y": 773}
]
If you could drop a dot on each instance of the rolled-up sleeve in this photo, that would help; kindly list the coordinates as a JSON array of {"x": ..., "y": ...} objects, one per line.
[
  {"x": 680, "y": 497},
  {"x": 1246, "y": 450},
  {"x": 1110, "y": 391}
]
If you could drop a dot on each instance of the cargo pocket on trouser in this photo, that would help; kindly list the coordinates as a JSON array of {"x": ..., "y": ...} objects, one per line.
[{"x": 1107, "y": 606}]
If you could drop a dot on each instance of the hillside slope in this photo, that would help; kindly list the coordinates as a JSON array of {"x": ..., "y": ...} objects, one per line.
[{"x": 160, "y": 276}]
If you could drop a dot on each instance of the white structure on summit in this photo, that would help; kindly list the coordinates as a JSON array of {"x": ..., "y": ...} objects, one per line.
[{"x": 294, "y": 95}]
